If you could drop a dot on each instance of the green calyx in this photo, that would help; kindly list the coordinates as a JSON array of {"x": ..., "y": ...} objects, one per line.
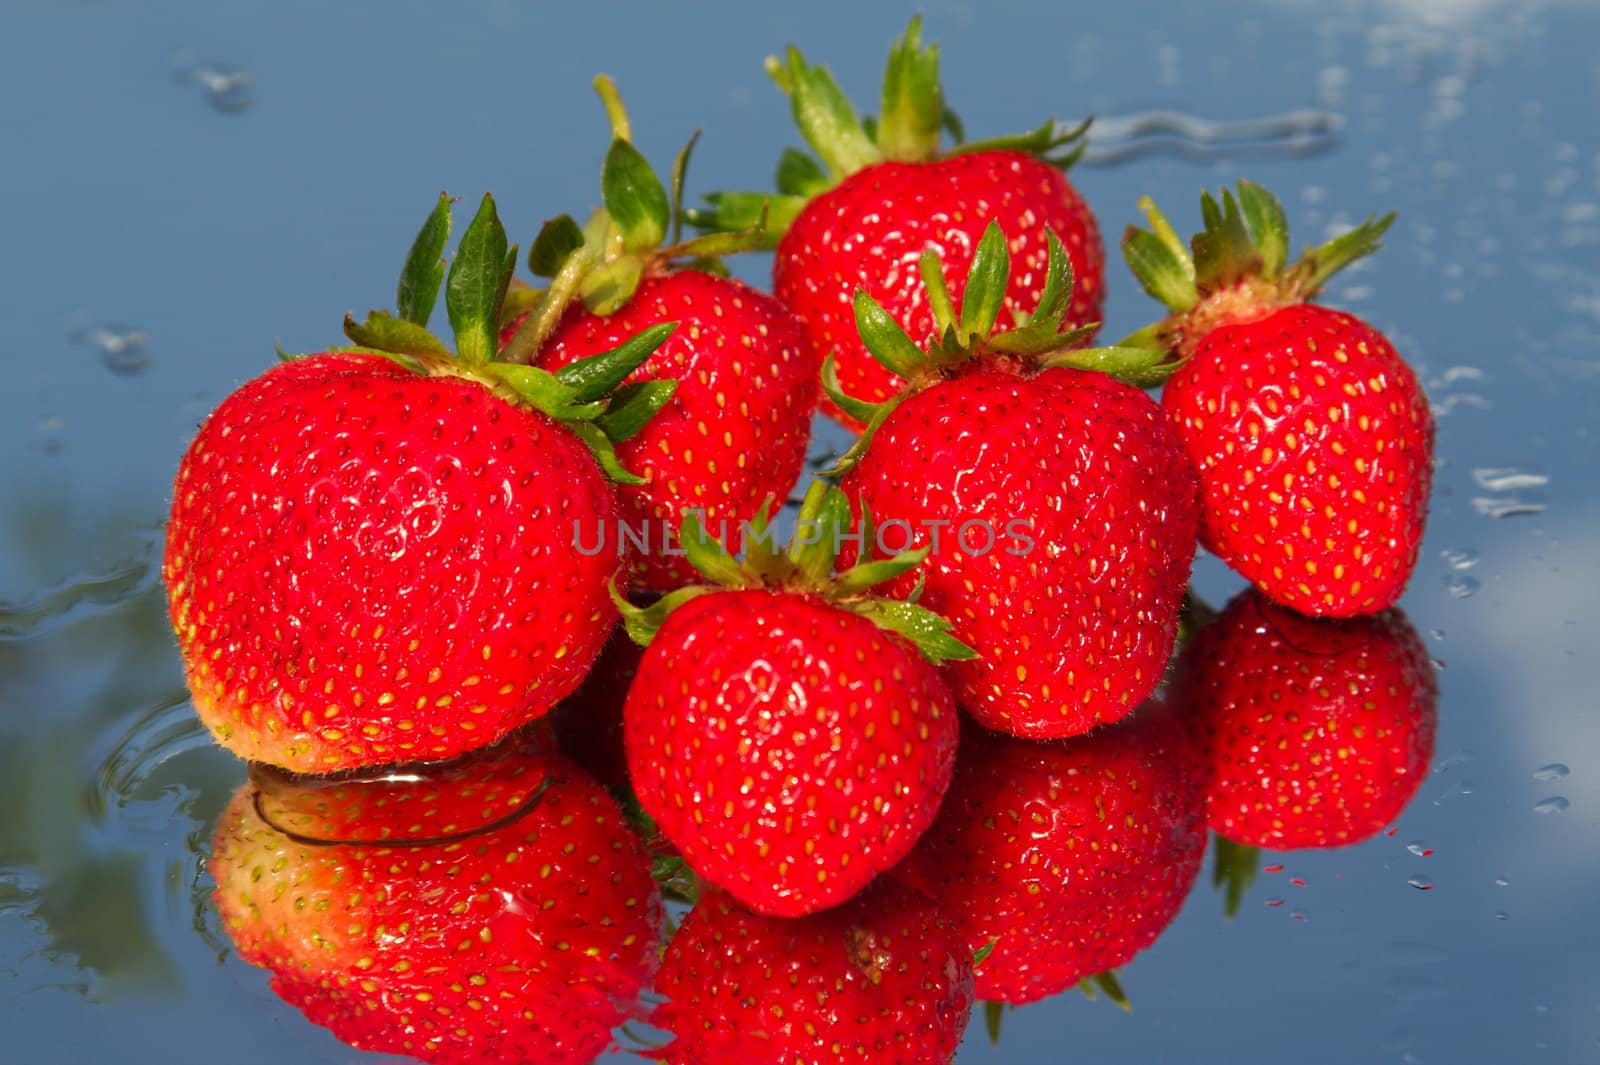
[
  {"x": 588, "y": 396},
  {"x": 1036, "y": 340},
  {"x": 1234, "y": 870},
  {"x": 1107, "y": 984},
  {"x": 806, "y": 566},
  {"x": 910, "y": 126},
  {"x": 1244, "y": 241},
  {"x": 639, "y": 230}
]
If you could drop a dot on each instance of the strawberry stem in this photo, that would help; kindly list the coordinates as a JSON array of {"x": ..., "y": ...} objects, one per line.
[{"x": 621, "y": 128}]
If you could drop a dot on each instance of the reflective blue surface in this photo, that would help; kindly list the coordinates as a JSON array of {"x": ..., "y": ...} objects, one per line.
[{"x": 152, "y": 189}]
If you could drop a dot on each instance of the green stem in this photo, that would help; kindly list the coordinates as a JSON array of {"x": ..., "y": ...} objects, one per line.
[
  {"x": 542, "y": 319},
  {"x": 1168, "y": 236},
  {"x": 620, "y": 127}
]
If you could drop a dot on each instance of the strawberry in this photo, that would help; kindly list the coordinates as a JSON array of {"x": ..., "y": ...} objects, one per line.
[
  {"x": 883, "y": 979},
  {"x": 1311, "y": 437},
  {"x": 1068, "y": 857},
  {"x": 735, "y": 429},
  {"x": 879, "y": 200},
  {"x": 490, "y": 910},
  {"x": 1318, "y": 732},
  {"x": 373, "y": 554},
  {"x": 1057, "y": 502},
  {"x": 787, "y": 732}
]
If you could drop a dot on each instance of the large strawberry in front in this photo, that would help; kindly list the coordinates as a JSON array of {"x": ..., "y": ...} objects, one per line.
[
  {"x": 373, "y": 554},
  {"x": 878, "y": 201},
  {"x": 493, "y": 910},
  {"x": 734, "y": 429},
  {"x": 1312, "y": 438},
  {"x": 1056, "y": 502},
  {"x": 788, "y": 732}
]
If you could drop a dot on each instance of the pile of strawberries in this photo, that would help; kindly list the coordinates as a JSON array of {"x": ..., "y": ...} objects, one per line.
[{"x": 506, "y": 632}]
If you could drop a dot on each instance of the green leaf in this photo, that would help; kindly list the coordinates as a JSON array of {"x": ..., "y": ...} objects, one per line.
[
  {"x": 1235, "y": 868},
  {"x": 762, "y": 555},
  {"x": 707, "y": 554},
  {"x": 912, "y": 109},
  {"x": 542, "y": 390},
  {"x": 1223, "y": 250},
  {"x": 1159, "y": 270},
  {"x": 642, "y": 623},
  {"x": 591, "y": 378},
  {"x": 799, "y": 174},
  {"x": 1046, "y": 142},
  {"x": 632, "y": 407},
  {"x": 993, "y": 1014},
  {"x": 387, "y": 333},
  {"x": 730, "y": 242},
  {"x": 1140, "y": 367},
  {"x": 1268, "y": 225},
  {"x": 477, "y": 285},
  {"x": 634, "y": 197},
  {"x": 680, "y": 174},
  {"x": 859, "y": 409},
  {"x": 944, "y": 311},
  {"x": 1316, "y": 266},
  {"x": 558, "y": 239},
  {"x": 864, "y": 575},
  {"x": 954, "y": 126},
  {"x": 604, "y": 452},
  {"x": 927, "y": 631},
  {"x": 851, "y": 458},
  {"x": 727, "y": 211},
  {"x": 823, "y": 520},
  {"x": 986, "y": 284},
  {"x": 825, "y": 118},
  {"x": 981, "y": 955},
  {"x": 1108, "y": 983},
  {"x": 608, "y": 289},
  {"x": 425, "y": 266},
  {"x": 520, "y": 299},
  {"x": 885, "y": 340}
]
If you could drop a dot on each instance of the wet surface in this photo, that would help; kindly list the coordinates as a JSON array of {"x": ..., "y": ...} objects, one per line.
[{"x": 191, "y": 185}]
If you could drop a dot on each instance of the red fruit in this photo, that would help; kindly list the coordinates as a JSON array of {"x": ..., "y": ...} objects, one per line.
[
  {"x": 885, "y": 979},
  {"x": 1090, "y": 504},
  {"x": 1069, "y": 856},
  {"x": 863, "y": 218},
  {"x": 1318, "y": 732},
  {"x": 527, "y": 942},
  {"x": 367, "y": 565},
  {"x": 791, "y": 749},
  {"x": 868, "y": 232},
  {"x": 1312, "y": 438},
  {"x": 736, "y": 428}
]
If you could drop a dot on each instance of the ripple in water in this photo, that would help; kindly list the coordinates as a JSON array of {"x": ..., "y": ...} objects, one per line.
[
  {"x": 1555, "y": 804},
  {"x": 163, "y": 732},
  {"x": 1120, "y": 139},
  {"x": 1553, "y": 771},
  {"x": 79, "y": 597}
]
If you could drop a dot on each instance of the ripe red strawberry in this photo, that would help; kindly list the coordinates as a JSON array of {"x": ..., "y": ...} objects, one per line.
[
  {"x": 885, "y": 198},
  {"x": 524, "y": 932},
  {"x": 1068, "y": 856},
  {"x": 784, "y": 731},
  {"x": 735, "y": 428},
  {"x": 1318, "y": 732},
  {"x": 1312, "y": 439},
  {"x": 1058, "y": 504},
  {"x": 884, "y": 979},
  {"x": 374, "y": 559}
]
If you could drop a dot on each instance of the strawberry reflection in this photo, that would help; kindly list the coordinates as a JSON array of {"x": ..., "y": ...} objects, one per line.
[
  {"x": 1064, "y": 859},
  {"x": 493, "y": 909},
  {"x": 887, "y": 977},
  {"x": 1318, "y": 732}
]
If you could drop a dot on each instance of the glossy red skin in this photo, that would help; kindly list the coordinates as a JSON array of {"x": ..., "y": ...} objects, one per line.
[
  {"x": 885, "y": 979},
  {"x": 1069, "y": 856},
  {"x": 1318, "y": 732},
  {"x": 1313, "y": 443},
  {"x": 1077, "y": 630},
  {"x": 791, "y": 750},
  {"x": 525, "y": 944},
  {"x": 365, "y": 565},
  {"x": 735, "y": 431},
  {"x": 870, "y": 230}
]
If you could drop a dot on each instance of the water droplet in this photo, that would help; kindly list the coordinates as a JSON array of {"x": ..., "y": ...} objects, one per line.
[
  {"x": 1460, "y": 586},
  {"x": 1299, "y": 915},
  {"x": 1459, "y": 790},
  {"x": 1502, "y": 915},
  {"x": 1459, "y": 558},
  {"x": 1274, "y": 902},
  {"x": 1437, "y": 634},
  {"x": 1553, "y": 771},
  {"x": 1421, "y": 883},
  {"x": 1501, "y": 881},
  {"x": 122, "y": 347},
  {"x": 1555, "y": 804},
  {"x": 1419, "y": 848},
  {"x": 1505, "y": 506},
  {"x": 1272, "y": 869}
]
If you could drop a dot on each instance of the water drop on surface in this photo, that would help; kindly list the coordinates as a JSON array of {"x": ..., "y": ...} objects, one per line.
[
  {"x": 1501, "y": 881},
  {"x": 1555, "y": 804},
  {"x": 1419, "y": 848},
  {"x": 1460, "y": 586},
  {"x": 1553, "y": 771},
  {"x": 1502, "y": 916},
  {"x": 1459, "y": 558},
  {"x": 1274, "y": 902},
  {"x": 1421, "y": 883},
  {"x": 1299, "y": 915}
]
